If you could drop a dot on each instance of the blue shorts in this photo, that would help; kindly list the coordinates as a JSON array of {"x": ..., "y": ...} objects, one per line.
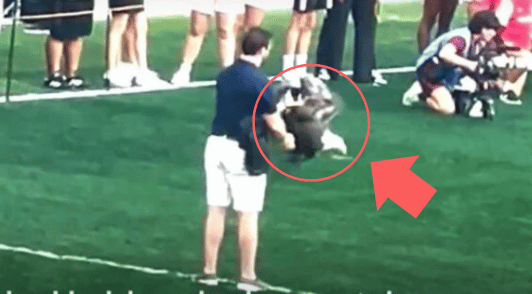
[{"x": 434, "y": 74}]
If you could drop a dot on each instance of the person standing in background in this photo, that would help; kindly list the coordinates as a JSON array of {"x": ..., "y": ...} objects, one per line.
[
  {"x": 124, "y": 15},
  {"x": 441, "y": 10},
  {"x": 332, "y": 40},
  {"x": 64, "y": 44},
  {"x": 226, "y": 13},
  {"x": 299, "y": 36}
]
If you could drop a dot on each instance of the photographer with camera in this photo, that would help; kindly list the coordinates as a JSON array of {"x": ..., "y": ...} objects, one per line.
[{"x": 442, "y": 63}]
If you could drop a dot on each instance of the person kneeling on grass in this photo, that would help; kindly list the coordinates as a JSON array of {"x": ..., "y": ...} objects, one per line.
[{"x": 436, "y": 69}]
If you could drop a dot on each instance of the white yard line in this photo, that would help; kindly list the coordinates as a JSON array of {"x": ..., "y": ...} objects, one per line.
[
  {"x": 93, "y": 93},
  {"x": 147, "y": 270}
]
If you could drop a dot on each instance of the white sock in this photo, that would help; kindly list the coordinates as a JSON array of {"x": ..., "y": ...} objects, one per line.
[
  {"x": 288, "y": 61},
  {"x": 187, "y": 67},
  {"x": 416, "y": 88},
  {"x": 301, "y": 59},
  {"x": 228, "y": 63}
]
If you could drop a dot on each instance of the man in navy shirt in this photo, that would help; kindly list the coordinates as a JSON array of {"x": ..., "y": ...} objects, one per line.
[{"x": 227, "y": 155}]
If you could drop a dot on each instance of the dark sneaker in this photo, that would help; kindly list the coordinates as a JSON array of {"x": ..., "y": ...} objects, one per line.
[
  {"x": 488, "y": 108},
  {"x": 74, "y": 83},
  {"x": 56, "y": 81},
  {"x": 207, "y": 279},
  {"x": 253, "y": 285},
  {"x": 510, "y": 98}
]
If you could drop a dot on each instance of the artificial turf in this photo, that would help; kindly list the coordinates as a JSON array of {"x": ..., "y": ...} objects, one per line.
[{"x": 120, "y": 178}]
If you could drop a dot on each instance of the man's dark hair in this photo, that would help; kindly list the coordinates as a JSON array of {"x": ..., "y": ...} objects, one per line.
[
  {"x": 483, "y": 19},
  {"x": 254, "y": 40}
]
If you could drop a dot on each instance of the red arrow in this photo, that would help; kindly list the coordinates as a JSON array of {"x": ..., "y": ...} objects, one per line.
[{"x": 393, "y": 179}]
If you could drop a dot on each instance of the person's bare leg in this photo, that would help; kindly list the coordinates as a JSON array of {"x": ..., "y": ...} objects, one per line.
[
  {"x": 226, "y": 30},
  {"x": 107, "y": 36},
  {"x": 253, "y": 17},
  {"x": 431, "y": 9},
  {"x": 305, "y": 32},
  {"x": 441, "y": 101},
  {"x": 129, "y": 51},
  {"x": 446, "y": 14},
  {"x": 141, "y": 38},
  {"x": 116, "y": 32},
  {"x": 291, "y": 40},
  {"x": 515, "y": 81},
  {"x": 248, "y": 240},
  {"x": 199, "y": 23},
  {"x": 54, "y": 54},
  {"x": 292, "y": 33},
  {"x": 305, "y": 38},
  {"x": 72, "y": 53},
  {"x": 213, "y": 235}
]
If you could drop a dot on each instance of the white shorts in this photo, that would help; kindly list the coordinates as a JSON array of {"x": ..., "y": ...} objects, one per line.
[
  {"x": 227, "y": 178},
  {"x": 261, "y": 4},
  {"x": 204, "y": 6},
  {"x": 234, "y": 7},
  {"x": 229, "y": 6}
]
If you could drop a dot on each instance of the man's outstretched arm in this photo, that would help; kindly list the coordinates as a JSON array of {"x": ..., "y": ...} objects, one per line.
[{"x": 277, "y": 128}]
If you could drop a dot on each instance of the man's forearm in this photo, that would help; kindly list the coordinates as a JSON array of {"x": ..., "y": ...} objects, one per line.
[{"x": 276, "y": 126}]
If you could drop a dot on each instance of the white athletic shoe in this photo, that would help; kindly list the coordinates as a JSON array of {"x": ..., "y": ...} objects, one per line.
[
  {"x": 292, "y": 78},
  {"x": 333, "y": 143},
  {"x": 411, "y": 96},
  {"x": 324, "y": 74},
  {"x": 378, "y": 79},
  {"x": 118, "y": 78},
  {"x": 253, "y": 285},
  {"x": 149, "y": 78},
  {"x": 181, "y": 78},
  {"x": 476, "y": 110},
  {"x": 127, "y": 67}
]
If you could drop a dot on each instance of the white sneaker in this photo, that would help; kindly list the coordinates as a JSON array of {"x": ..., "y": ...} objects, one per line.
[
  {"x": 118, "y": 79},
  {"x": 149, "y": 78},
  {"x": 181, "y": 78},
  {"x": 292, "y": 79},
  {"x": 476, "y": 110},
  {"x": 126, "y": 67},
  {"x": 332, "y": 142},
  {"x": 411, "y": 96},
  {"x": 324, "y": 74},
  {"x": 378, "y": 79}
]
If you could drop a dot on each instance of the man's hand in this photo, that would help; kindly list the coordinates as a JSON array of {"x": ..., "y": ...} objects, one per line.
[
  {"x": 277, "y": 128},
  {"x": 289, "y": 142}
]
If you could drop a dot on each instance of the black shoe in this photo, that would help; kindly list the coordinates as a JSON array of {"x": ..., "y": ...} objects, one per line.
[
  {"x": 56, "y": 81},
  {"x": 253, "y": 285},
  {"x": 75, "y": 83},
  {"x": 207, "y": 279},
  {"x": 510, "y": 97}
]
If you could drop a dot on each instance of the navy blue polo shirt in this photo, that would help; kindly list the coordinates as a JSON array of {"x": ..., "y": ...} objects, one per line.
[{"x": 237, "y": 90}]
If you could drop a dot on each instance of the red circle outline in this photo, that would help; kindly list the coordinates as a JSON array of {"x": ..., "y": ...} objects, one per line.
[{"x": 276, "y": 168}]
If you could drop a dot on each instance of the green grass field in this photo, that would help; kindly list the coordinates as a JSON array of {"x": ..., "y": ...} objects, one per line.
[{"x": 120, "y": 178}]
